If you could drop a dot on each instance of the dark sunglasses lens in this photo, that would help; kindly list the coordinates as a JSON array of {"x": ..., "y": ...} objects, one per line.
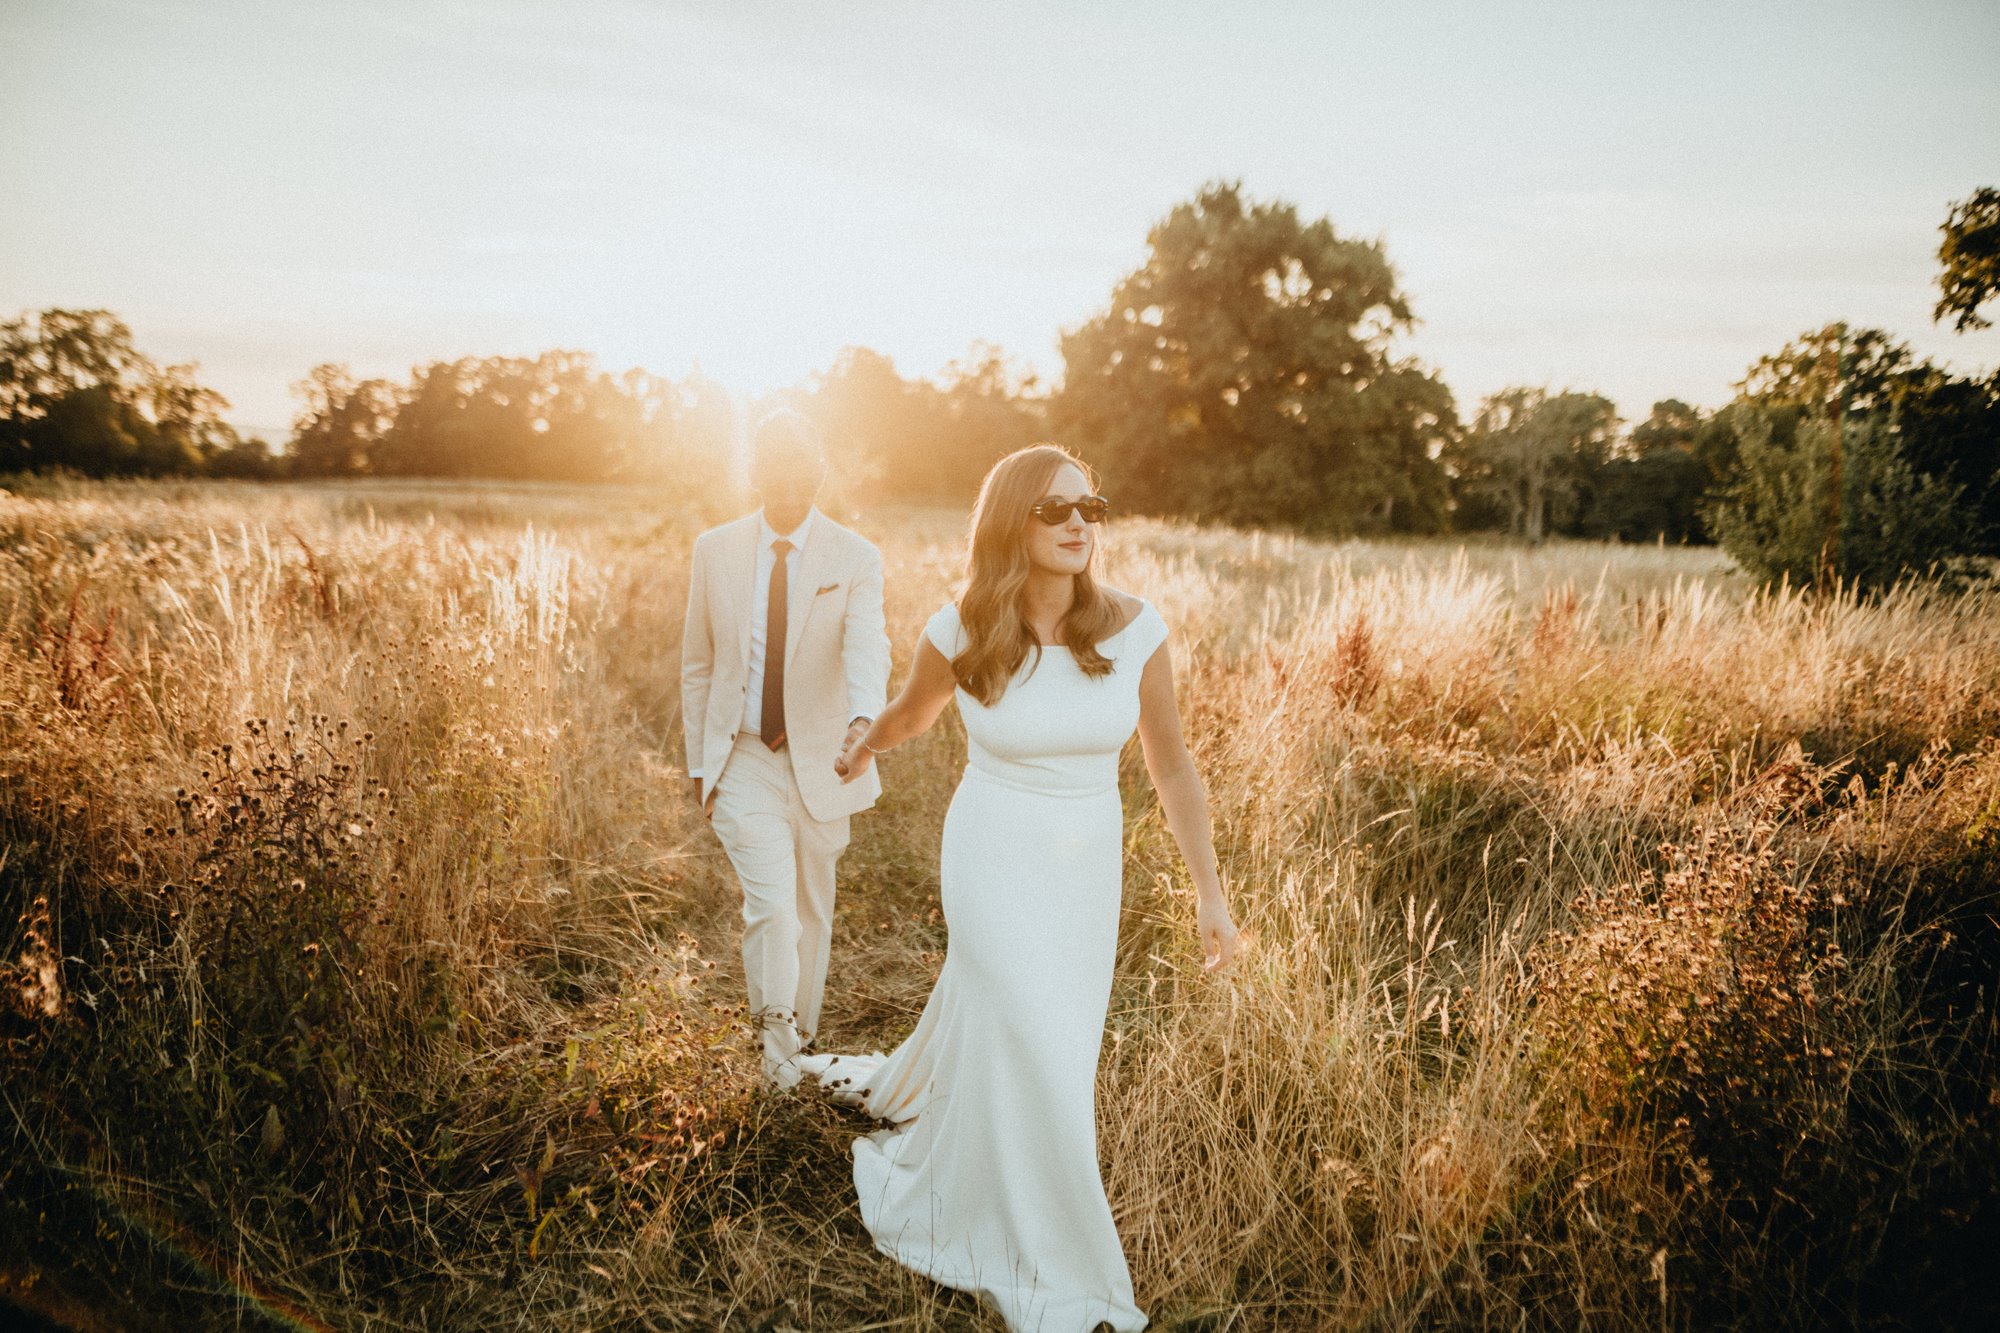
[{"x": 1093, "y": 508}]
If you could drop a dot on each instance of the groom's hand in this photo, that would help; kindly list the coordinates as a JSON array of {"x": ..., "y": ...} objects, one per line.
[
  {"x": 853, "y": 759},
  {"x": 708, "y": 806}
]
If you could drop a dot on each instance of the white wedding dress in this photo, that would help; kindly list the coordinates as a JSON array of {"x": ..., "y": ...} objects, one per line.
[{"x": 987, "y": 1179}]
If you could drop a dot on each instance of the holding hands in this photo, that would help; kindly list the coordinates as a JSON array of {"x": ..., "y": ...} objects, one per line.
[{"x": 854, "y": 756}]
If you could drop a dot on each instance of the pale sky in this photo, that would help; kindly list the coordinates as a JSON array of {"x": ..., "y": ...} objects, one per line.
[{"x": 1636, "y": 199}]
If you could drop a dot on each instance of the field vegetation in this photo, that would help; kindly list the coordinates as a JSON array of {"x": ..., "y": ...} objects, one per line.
[{"x": 1622, "y": 937}]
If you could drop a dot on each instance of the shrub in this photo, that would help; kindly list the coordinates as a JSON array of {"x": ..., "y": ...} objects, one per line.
[
  {"x": 227, "y": 998},
  {"x": 1706, "y": 1000},
  {"x": 1893, "y": 522}
]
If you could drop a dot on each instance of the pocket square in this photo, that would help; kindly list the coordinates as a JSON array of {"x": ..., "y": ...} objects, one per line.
[{"x": 828, "y": 588}]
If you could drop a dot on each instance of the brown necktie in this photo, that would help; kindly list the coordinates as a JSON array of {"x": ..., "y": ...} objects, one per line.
[{"x": 773, "y": 710}]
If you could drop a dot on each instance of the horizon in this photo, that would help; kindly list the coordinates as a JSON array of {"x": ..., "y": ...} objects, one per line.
[{"x": 261, "y": 192}]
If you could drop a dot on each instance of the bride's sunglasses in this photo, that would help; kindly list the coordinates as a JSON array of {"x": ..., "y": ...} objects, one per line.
[{"x": 1092, "y": 509}]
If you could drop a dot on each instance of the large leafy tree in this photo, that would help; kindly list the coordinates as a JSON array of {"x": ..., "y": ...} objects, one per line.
[
  {"x": 1969, "y": 260},
  {"x": 1245, "y": 371},
  {"x": 1859, "y": 370},
  {"x": 1531, "y": 455}
]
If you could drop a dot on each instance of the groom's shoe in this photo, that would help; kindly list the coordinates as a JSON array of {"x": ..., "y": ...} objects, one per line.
[
  {"x": 814, "y": 1064},
  {"x": 781, "y": 1042},
  {"x": 784, "y": 1074}
]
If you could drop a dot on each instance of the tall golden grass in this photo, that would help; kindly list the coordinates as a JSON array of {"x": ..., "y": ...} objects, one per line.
[{"x": 1621, "y": 938}]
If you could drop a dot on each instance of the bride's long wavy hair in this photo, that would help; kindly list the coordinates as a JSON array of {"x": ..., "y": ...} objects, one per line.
[{"x": 998, "y": 638}]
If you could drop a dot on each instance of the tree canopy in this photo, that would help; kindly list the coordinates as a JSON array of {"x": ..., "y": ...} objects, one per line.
[
  {"x": 1245, "y": 372},
  {"x": 1248, "y": 370},
  {"x": 75, "y": 393},
  {"x": 1969, "y": 260},
  {"x": 1789, "y": 514},
  {"x": 910, "y": 439},
  {"x": 557, "y": 417},
  {"x": 1941, "y": 425},
  {"x": 554, "y": 417},
  {"x": 1531, "y": 454}
]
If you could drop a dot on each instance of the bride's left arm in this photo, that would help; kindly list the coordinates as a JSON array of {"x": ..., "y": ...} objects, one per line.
[{"x": 1184, "y": 802}]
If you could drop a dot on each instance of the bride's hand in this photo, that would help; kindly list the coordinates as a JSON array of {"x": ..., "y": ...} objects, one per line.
[
  {"x": 852, "y": 762},
  {"x": 1217, "y": 932},
  {"x": 854, "y": 757}
]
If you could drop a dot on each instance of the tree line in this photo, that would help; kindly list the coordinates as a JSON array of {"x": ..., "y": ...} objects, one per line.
[
  {"x": 76, "y": 394},
  {"x": 1250, "y": 370}
]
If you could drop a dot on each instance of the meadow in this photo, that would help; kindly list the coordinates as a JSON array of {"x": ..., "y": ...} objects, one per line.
[{"x": 1622, "y": 938}]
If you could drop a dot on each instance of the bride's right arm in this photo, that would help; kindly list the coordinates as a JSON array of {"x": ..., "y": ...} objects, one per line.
[{"x": 909, "y": 715}]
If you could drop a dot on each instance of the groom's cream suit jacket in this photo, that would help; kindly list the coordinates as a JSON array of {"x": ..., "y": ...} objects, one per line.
[{"x": 836, "y": 656}]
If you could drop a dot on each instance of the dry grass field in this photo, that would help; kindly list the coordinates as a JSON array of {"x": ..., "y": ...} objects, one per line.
[{"x": 1623, "y": 940}]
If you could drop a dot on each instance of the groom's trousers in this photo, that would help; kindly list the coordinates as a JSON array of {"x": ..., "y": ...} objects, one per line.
[{"x": 784, "y": 859}]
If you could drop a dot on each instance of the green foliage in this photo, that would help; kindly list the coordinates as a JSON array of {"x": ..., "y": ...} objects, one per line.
[
  {"x": 1779, "y": 518},
  {"x": 1654, "y": 486},
  {"x": 1245, "y": 372},
  {"x": 1951, "y": 430},
  {"x": 1860, "y": 370},
  {"x": 1943, "y": 426},
  {"x": 76, "y": 394},
  {"x": 1672, "y": 424},
  {"x": 558, "y": 418},
  {"x": 1530, "y": 455},
  {"x": 340, "y": 422},
  {"x": 555, "y": 417},
  {"x": 1653, "y": 496},
  {"x": 1715, "y": 446},
  {"x": 1536, "y": 463},
  {"x": 248, "y": 460},
  {"x": 1969, "y": 260}
]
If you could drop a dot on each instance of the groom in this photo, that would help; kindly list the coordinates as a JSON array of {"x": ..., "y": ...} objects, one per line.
[{"x": 784, "y": 661}]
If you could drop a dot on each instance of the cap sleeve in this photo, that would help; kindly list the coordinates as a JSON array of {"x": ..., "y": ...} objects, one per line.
[
  {"x": 945, "y": 632},
  {"x": 1145, "y": 634}
]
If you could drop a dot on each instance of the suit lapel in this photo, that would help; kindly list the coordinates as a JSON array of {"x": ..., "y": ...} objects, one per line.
[
  {"x": 802, "y": 599},
  {"x": 743, "y": 576}
]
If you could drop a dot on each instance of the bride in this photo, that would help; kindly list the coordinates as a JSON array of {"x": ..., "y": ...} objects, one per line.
[{"x": 987, "y": 1177}]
